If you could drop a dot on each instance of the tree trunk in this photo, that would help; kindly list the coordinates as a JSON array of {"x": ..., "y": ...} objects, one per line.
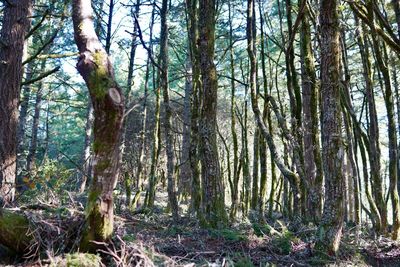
[
  {"x": 330, "y": 230},
  {"x": 185, "y": 173},
  {"x": 173, "y": 202},
  {"x": 373, "y": 132},
  {"x": 235, "y": 178},
  {"x": 266, "y": 113},
  {"x": 213, "y": 201},
  {"x": 30, "y": 159},
  {"x": 14, "y": 28},
  {"x": 108, "y": 103},
  {"x": 193, "y": 34},
  {"x": 312, "y": 155},
  {"x": 392, "y": 131}
]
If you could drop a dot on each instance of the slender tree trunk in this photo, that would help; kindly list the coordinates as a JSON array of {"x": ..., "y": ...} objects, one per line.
[
  {"x": 193, "y": 34},
  {"x": 30, "y": 159},
  {"x": 312, "y": 155},
  {"x": 24, "y": 105},
  {"x": 330, "y": 229},
  {"x": 109, "y": 26},
  {"x": 256, "y": 145},
  {"x": 392, "y": 131},
  {"x": 185, "y": 173},
  {"x": 256, "y": 162},
  {"x": 151, "y": 192},
  {"x": 263, "y": 144},
  {"x": 96, "y": 69},
  {"x": 373, "y": 132},
  {"x": 14, "y": 28},
  {"x": 173, "y": 202},
  {"x": 235, "y": 179},
  {"x": 23, "y": 114},
  {"x": 397, "y": 95}
]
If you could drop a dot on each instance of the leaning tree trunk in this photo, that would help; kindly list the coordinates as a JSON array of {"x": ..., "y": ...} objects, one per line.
[
  {"x": 97, "y": 71},
  {"x": 12, "y": 38},
  {"x": 330, "y": 230}
]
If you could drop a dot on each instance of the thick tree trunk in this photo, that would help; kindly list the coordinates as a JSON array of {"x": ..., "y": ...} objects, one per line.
[
  {"x": 108, "y": 103},
  {"x": 330, "y": 230},
  {"x": 213, "y": 204},
  {"x": 15, "y": 26}
]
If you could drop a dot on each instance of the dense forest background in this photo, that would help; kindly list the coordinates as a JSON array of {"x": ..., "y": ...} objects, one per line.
[{"x": 206, "y": 132}]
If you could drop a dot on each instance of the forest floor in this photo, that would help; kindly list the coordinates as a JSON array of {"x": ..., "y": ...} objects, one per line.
[{"x": 155, "y": 240}]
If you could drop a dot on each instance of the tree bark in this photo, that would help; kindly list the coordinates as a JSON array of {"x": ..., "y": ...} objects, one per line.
[
  {"x": 108, "y": 102},
  {"x": 330, "y": 230},
  {"x": 173, "y": 202},
  {"x": 373, "y": 132},
  {"x": 193, "y": 34},
  {"x": 311, "y": 152},
  {"x": 16, "y": 23},
  {"x": 235, "y": 178},
  {"x": 213, "y": 204},
  {"x": 392, "y": 131}
]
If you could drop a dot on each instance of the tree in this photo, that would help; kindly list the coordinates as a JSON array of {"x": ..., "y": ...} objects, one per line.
[
  {"x": 312, "y": 155},
  {"x": 213, "y": 203},
  {"x": 331, "y": 226},
  {"x": 16, "y": 23},
  {"x": 173, "y": 202},
  {"x": 108, "y": 102}
]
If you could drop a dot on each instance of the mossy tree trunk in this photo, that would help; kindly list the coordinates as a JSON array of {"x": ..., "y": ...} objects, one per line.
[
  {"x": 392, "y": 131},
  {"x": 15, "y": 25},
  {"x": 173, "y": 202},
  {"x": 193, "y": 34},
  {"x": 14, "y": 229},
  {"x": 289, "y": 175},
  {"x": 151, "y": 190},
  {"x": 266, "y": 114},
  {"x": 213, "y": 204},
  {"x": 373, "y": 132},
  {"x": 312, "y": 155},
  {"x": 330, "y": 229},
  {"x": 108, "y": 103},
  {"x": 235, "y": 178}
]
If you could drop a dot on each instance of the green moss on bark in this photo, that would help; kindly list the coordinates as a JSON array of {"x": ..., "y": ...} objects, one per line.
[
  {"x": 99, "y": 79},
  {"x": 99, "y": 225},
  {"x": 13, "y": 230}
]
